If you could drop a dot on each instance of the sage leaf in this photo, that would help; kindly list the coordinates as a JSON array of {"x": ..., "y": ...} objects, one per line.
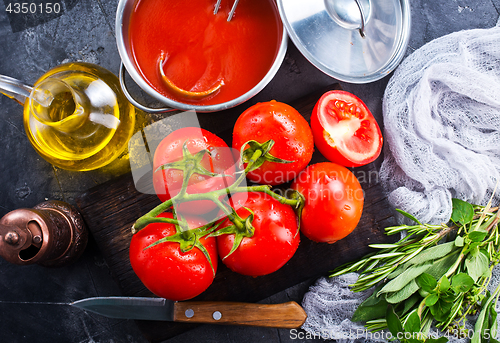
[
  {"x": 483, "y": 320},
  {"x": 410, "y": 302},
  {"x": 404, "y": 278},
  {"x": 479, "y": 326},
  {"x": 477, "y": 236},
  {"x": 412, "y": 322},
  {"x": 403, "y": 294},
  {"x": 397, "y": 272},
  {"x": 441, "y": 266},
  {"x": 409, "y": 216},
  {"x": 486, "y": 323},
  {"x": 462, "y": 212},
  {"x": 494, "y": 323},
  {"x": 433, "y": 253},
  {"x": 427, "y": 282},
  {"x": 393, "y": 322},
  {"x": 431, "y": 300},
  {"x": 462, "y": 282},
  {"x": 365, "y": 313},
  {"x": 477, "y": 266},
  {"x": 373, "y": 307},
  {"x": 373, "y": 299}
]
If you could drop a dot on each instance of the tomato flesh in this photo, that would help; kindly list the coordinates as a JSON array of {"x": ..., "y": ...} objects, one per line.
[
  {"x": 344, "y": 130},
  {"x": 167, "y": 271},
  {"x": 334, "y": 201}
]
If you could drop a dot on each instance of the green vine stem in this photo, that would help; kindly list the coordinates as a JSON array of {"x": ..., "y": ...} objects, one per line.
[{"x": 191, "y": 165}]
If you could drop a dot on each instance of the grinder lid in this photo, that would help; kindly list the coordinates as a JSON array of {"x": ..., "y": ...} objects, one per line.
[{"x": 357, "y": 41}]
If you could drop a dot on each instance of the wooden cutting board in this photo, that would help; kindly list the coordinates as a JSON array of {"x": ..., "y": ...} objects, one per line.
[{"x": 110, "y": 210}]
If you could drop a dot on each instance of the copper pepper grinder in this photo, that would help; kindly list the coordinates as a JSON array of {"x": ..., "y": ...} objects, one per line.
[{"x": 51, "y": 234}]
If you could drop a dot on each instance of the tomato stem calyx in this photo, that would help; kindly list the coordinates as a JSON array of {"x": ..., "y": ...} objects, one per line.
[
  {"x": 190, "y": 164},
  {"x": 253, "y": 146},
  {"x": 189, "y": 238},
  {"x": 239, "y": 231}
]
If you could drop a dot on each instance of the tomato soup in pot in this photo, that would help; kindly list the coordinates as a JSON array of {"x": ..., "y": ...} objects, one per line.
[{"x": 189, "y": 55}]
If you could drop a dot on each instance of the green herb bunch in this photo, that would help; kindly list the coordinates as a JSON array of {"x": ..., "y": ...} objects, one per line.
[{"x": 436, "y": 275}]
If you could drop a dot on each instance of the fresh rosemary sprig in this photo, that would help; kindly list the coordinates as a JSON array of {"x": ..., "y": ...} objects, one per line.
[{"x": 436, "y": 274}]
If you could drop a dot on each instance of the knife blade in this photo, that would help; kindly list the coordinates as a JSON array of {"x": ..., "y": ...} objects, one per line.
[{"x": 287, "y": 315}]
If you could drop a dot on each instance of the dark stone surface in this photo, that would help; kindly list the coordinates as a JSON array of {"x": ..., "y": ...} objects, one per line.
[{"x": 29, "y": 46}]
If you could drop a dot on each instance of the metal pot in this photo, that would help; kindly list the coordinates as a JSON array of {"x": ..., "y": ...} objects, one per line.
[{"x": 124, "y": 11}]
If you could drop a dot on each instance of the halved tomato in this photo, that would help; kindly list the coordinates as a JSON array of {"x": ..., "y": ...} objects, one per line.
[{"x": 344, "y": 129}]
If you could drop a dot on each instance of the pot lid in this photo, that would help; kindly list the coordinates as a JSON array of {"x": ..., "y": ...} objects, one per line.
[{"x": 357, "y": 41}]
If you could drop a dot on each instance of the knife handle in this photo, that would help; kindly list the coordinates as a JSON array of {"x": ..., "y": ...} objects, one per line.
[{"x": 287, "y": 315}]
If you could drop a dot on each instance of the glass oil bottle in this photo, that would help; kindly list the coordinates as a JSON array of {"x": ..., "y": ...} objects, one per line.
[{"x": 75, "y": 116}]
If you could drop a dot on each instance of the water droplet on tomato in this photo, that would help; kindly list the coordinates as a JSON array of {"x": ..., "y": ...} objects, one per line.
[{"x": 347, "y": 207}]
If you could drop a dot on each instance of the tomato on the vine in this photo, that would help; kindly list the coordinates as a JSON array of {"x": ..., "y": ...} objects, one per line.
[
  {"x": 274, "y": 240},
  {"x": 333, "y": 201},
  {"x": 220, "y": 160},
  {"x": 344, "y": 129},
  {"x": 167, "y": 271},
  {"x": 292, "y": 136}
]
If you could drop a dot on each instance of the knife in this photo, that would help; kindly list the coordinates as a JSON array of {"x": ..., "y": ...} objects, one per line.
[{"x": 287, "y": 315}]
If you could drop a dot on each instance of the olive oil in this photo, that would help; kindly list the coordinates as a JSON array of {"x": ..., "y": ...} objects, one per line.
[{"x": 77, "y": 117}]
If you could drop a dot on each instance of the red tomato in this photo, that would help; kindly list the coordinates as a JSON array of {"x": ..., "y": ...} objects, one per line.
[
  {"x": 333, "y": 201},
  {"x": 168, "y": 182},
  {"x": 275, "y": 239},
  {"x": 344, "y": 129},
  {"x": 164, "y": 269},
  {"x": 290, "y": 132}
]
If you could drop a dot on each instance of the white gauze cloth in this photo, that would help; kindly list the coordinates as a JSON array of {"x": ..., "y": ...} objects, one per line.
[
  {"x": 442, "y": 139},
  {"x": 442, "y": 125}
]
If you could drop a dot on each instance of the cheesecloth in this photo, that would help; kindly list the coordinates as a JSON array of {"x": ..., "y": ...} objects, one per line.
[
  {"x": 441, "y": 113},
  {"x": 442, "y": 125}
]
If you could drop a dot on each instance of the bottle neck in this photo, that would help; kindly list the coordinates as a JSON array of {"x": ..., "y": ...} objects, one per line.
[
  {"x": 55, "y": 103},
  {"x": 14, "y": 89}
]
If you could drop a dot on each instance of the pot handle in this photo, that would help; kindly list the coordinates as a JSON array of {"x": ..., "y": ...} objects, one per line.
[
  {"x": 135, "y": 102},
  {"x": 363, "y": 20}
]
